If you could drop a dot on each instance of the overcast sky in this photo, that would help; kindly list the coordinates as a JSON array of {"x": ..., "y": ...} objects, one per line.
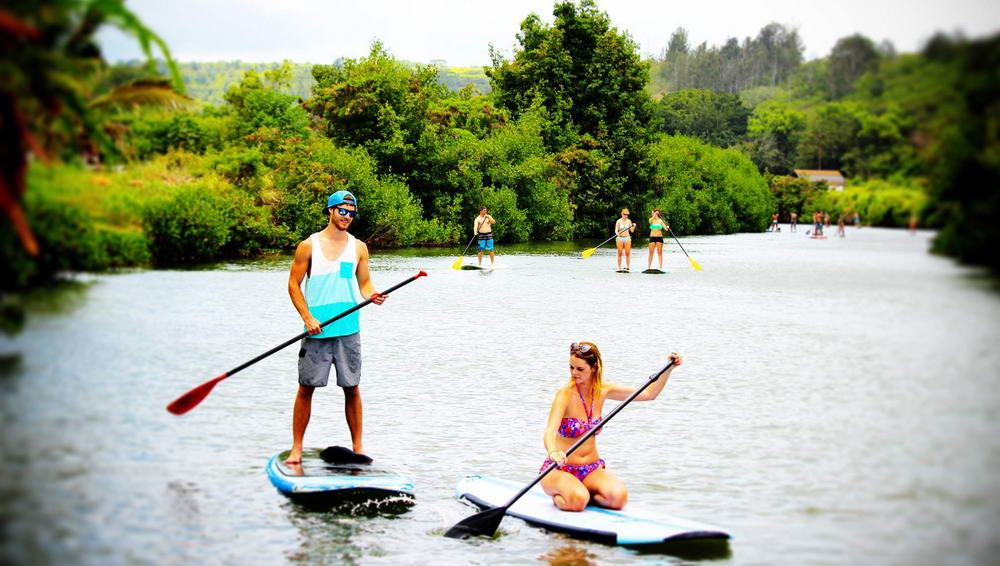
[{"x": 460, "y": 31}]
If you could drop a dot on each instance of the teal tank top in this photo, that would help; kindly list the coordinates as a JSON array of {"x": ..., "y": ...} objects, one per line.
[{"x": 331, "y": 288}]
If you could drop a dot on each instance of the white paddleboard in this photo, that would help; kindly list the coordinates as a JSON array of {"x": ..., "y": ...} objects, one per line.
[{"x": 632, "y": 526}]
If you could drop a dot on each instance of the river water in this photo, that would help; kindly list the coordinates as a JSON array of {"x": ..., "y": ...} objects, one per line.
[{"x": 839, "y": 404}]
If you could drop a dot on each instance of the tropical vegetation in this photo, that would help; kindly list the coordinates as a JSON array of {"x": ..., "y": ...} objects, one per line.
[{"x": 230, "y": 160}]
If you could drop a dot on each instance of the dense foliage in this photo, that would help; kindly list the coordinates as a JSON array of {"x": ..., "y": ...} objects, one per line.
[
  {"x": 704, "y": 189},
  {"x": 568, "y": 135},
  {"x": 719, "y": 119},
  {"x": 965, "y": 164}
]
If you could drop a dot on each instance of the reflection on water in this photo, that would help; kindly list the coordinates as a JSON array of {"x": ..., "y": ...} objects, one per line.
[
  {"x": 836, "y": 394},
  {"x": 569, "y": 555}
]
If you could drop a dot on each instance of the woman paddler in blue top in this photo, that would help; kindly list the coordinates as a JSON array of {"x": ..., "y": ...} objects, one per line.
[
  {"x": 575, "y": 410},
  {"x": 656, "y": 227}
]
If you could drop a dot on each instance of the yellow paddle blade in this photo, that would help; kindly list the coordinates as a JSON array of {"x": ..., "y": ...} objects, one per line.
[
  {"x": 590, "y": 252},
  {"x": 694, "y": 264},
  {"x": 457, "y": 264}
]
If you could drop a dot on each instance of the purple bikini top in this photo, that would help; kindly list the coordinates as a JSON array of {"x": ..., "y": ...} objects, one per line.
[{"x": 575, "y": 428}]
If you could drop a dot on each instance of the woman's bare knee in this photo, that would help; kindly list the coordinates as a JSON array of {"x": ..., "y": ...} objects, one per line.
[
  {"x": 575, "y": 499},
  {"x": 616, "y": 497}
]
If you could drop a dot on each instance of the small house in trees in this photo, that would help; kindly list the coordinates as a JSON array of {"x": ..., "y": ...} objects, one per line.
[{"x": 832, "y": 178}]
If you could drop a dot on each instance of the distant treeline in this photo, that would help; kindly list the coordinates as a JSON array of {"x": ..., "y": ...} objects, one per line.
[{"x": 208, "y": 82}]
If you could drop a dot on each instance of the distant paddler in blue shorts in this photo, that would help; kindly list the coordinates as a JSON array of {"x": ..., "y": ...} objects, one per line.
[
  {"x": 623, "y": 240},
  {"x": 334, "y": 266},
  {"x": 483, "y": 228}
]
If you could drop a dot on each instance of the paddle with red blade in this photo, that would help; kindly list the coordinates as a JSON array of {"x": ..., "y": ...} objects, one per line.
[{"x": 192, "y": 398}]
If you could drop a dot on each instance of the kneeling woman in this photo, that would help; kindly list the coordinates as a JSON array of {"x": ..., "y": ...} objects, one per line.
[{"x": 575, "y": 410}]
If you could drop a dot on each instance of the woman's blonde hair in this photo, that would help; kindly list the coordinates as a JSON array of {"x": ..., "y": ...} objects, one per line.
[
  {"x": 625, "y": 211},
  {"x": 588, "y": 352}
]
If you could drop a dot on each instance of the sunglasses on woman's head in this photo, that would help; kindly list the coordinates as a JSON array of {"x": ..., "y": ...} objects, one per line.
[
  {"x": 578, "y": 347},
  {"x": 345, "y": 212}
]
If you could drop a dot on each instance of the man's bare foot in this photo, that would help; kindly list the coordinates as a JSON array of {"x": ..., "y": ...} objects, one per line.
[
  {"x": 294, "y": 457},
  {"x": 359, "y": 450}
]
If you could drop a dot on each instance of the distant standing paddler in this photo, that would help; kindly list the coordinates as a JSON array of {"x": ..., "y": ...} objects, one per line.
[
  {"x": 656, "y": 227},
  {"x": 483, "y": 227},
  {"x": 334, "y": 266},
  {"x": 623, "y": 239},
  {"x": 817, "y": 224}
]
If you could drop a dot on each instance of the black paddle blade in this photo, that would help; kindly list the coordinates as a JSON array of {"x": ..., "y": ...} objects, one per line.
[{"x": 484, "y": 523}]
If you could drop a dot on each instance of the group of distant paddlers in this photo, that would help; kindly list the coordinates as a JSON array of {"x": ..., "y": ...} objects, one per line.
[
  {"x": 623, "y": 238},
  {"x": 819, "y": 220},
  {"x": 624, "y": 228}
]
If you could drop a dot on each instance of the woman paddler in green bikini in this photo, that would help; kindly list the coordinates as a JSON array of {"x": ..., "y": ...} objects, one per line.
[{"x": 656, "y": 227}]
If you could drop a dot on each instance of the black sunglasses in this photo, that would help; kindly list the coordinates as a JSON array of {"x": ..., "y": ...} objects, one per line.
[{"x": 345, "y": 212}]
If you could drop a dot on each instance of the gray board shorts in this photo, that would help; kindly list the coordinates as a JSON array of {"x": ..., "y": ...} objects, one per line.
[{"x": 316, "y": 355}]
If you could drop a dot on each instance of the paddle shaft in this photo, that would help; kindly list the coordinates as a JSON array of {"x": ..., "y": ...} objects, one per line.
[
  {"x": 322, "y": 324},
  {"x": 590, "y": 433},
  {"x": 192, "y": 398},
  {"x": 681, "y": 245},
  {"x": 474, "y": 236},
  {"x": 613, "y": 237}
]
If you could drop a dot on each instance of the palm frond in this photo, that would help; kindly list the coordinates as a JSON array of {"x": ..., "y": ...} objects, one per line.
[{"x": 143, "y": 93}]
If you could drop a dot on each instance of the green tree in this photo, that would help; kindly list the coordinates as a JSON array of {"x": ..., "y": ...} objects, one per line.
[
  {"x": 257, "y": 102},
  {"x": 590, "y": 81},
  {"x": 774, "y": 131},
  {"x": 765, "y": 60},
  {"x": 791, "y": 195},
  {"x": 377, "y": 103},
  {"x": 850, "y": 58},
  {"x": 719, "y": 119},
  {"x": 704, "y": 189},
  {"x": 830, "y": 132}
]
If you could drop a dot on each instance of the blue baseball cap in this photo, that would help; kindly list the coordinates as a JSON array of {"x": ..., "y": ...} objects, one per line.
[{"x": 342, "y": 197}]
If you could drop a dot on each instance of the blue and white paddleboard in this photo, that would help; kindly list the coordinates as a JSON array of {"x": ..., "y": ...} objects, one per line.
[
  {"x": 632, "y": 526},
  {"x": 319, "y": 483}
]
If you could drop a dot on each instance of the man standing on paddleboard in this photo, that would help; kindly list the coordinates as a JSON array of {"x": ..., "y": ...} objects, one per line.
[
  {"x": 334, "y": 266},
  {"x": 483, "y": 226}
]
